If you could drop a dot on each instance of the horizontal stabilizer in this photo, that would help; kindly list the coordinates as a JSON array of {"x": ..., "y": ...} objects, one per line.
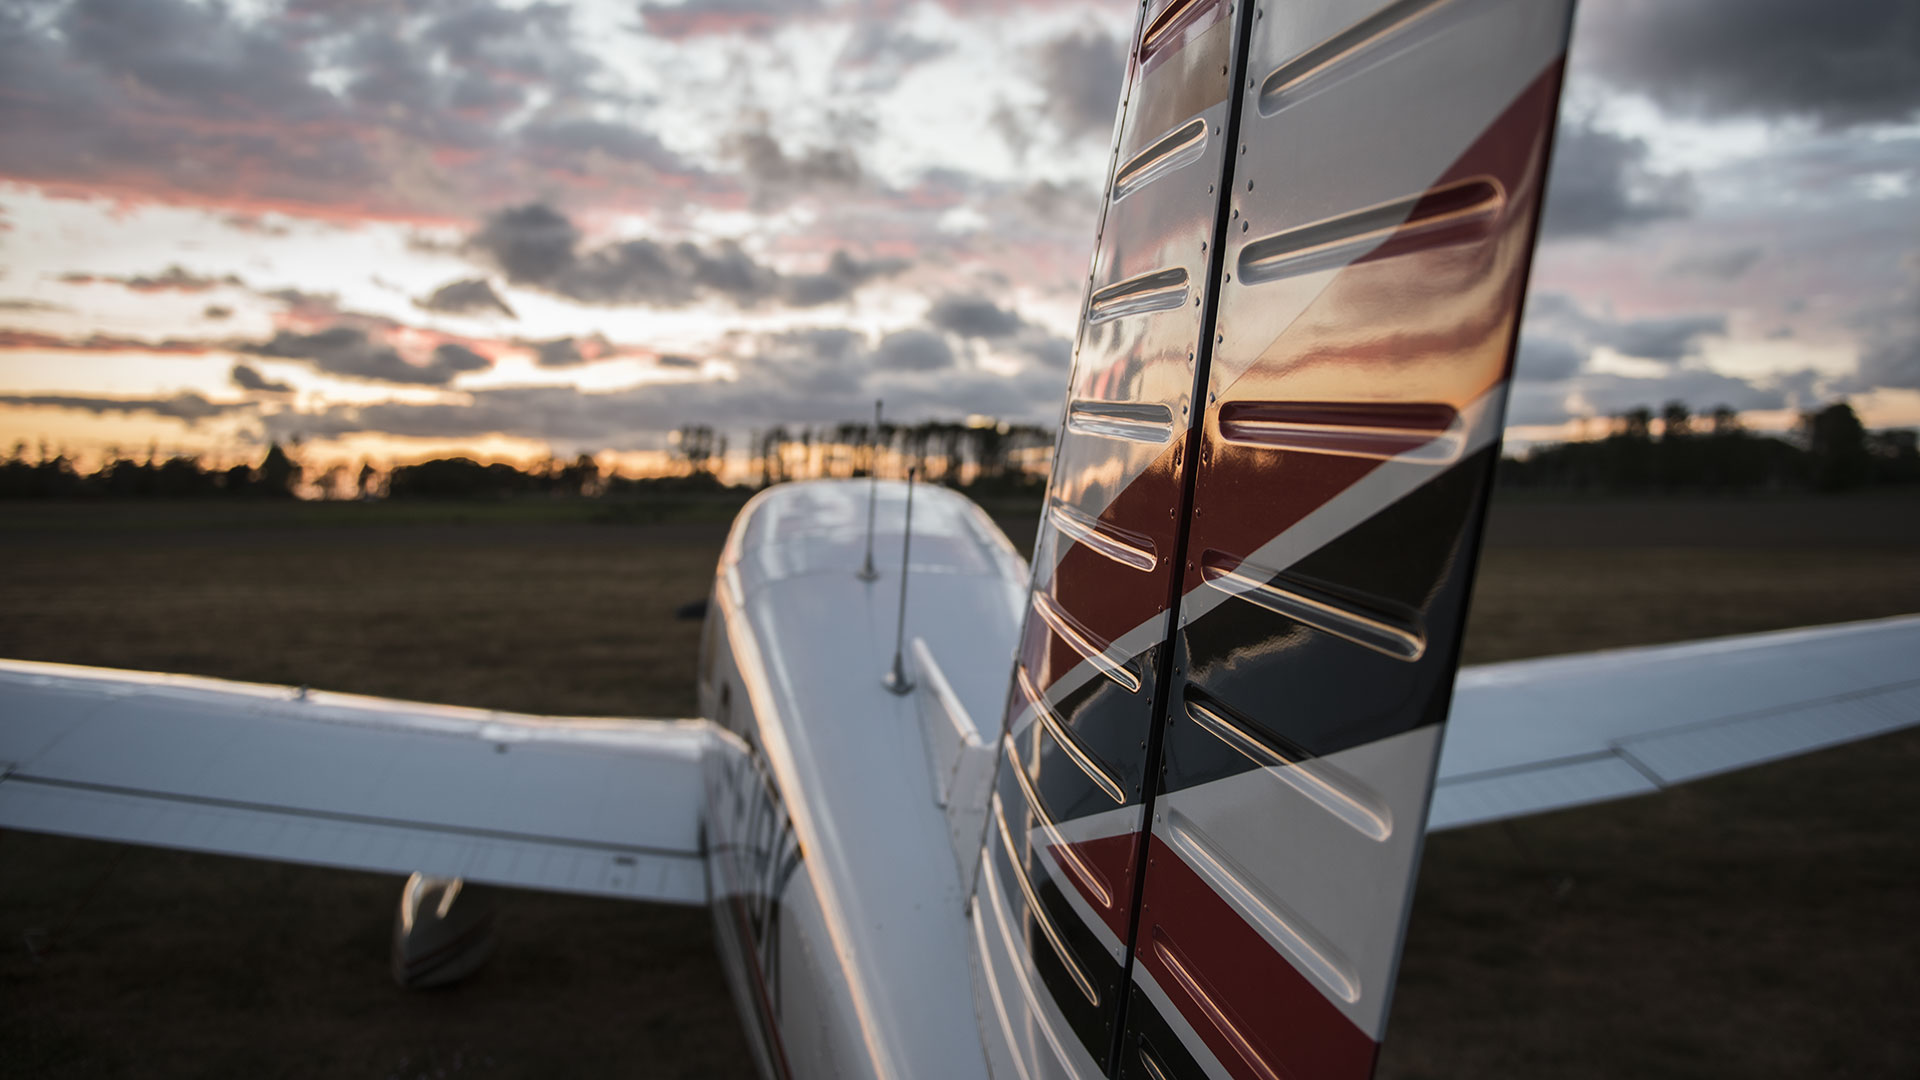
[
  {"x": 1537, "y": 735},
  {"x": 603, "y": 807}
]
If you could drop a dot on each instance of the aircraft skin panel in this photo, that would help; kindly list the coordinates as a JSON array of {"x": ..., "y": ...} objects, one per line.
[
  {"x": 608, "y": 808},
  {"x": 1379, "y": 221},
  {"x": 1534, "y": 735},
  {"x": 1089, "y": 666},
  {"x": 832, "y": 863}
]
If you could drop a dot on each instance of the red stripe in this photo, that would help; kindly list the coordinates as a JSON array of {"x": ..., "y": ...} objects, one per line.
[
  {"x": 1112, "y": 858},
  {"x": 1259, "y": 1016},
  {"x": 1107, "y": 597},
  {"x": 1413, "y": 331}
]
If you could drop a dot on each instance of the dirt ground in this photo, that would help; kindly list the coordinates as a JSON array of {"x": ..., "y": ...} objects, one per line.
[{"x": 1758, "y": 924}]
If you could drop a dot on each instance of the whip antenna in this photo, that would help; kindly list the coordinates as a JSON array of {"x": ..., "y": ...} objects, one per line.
[
  {"x": 867, "y": 572},
  {"x": 897, "y": 679}
]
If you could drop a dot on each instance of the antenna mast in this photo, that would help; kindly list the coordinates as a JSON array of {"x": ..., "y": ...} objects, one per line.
[
  {"x": 867, "y": 571},
  {"x": 897, "y": 680}
]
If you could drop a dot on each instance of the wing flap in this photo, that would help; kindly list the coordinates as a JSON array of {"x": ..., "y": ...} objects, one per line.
[
  {"x": 602, "y": 807},
  {"x": 1538, "y": 735}
]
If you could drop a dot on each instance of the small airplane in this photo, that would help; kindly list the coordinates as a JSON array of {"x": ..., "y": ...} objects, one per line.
[{"x": 1152, "y": 806}]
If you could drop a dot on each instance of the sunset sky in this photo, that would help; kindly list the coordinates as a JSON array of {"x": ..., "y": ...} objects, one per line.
[{"x": 396, "y": 228}]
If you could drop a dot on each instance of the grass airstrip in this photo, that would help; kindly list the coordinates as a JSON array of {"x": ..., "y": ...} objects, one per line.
[{"x": 1758, "y": 924}]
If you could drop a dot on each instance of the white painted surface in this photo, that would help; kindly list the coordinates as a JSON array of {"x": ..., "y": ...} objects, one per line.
[
  {"x": 808, "y": 642},
  {"x": 605, "y": 807},
  {"x": 1536, "y": 735}
]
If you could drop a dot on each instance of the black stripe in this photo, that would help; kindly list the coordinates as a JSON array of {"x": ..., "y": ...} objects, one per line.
[{"x": 1170, "y": 659}]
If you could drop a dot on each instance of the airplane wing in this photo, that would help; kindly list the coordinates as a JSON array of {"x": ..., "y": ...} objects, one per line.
[
  {"x": 604, "y": 807},
  {"x": 1537, "y": 735}
]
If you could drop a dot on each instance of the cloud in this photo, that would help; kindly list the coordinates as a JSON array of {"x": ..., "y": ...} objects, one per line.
[
  {"x": 532, "y": 244},
  {"x": 537, "y": 246},
  {"x": 879, "y": 53},
  {"x": 570, "y": 418},
  {"x": 352, "y": 110},
  {"x": 15, "y": 303},
  {"x": 1546, "y": 359},
  {"x": 174, "y": 278},
  {"x": 1049, "y": 351},
  {"x": 216, "y": 312},
  {"x": 774, "y": 175},
  {"x": 914, "y": 350},
  {"x": 1610, "y": 395},
  {"x": 465, "y": 297},
  {"x": 350, "y": 352},
  {"x": 187, "y": 406},
  {"x": 560, "y": 352},
  {"x": 695, "y": 18},
  {"x": 974, "y": 317},
  {"x": 1838, "y": 65},
  {"x": 1601, "y": 183},
  {"x": 1890, "y": 338},
  {"x": 12, "y": 340},
  {"x": 1082, "y": 73},
  {"x": 248, "y": 378},
  {"x": 1557, "y": 317},
  {"x": 1725, "y": 265}
]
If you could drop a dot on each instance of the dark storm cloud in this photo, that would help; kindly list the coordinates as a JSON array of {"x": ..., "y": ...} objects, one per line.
[
  {"x": 1600, "y": 183},
  {"x": 1838, "y": 64},
  {"x": 537, "y": 246},
  {"x": 350, "y": 352},
  {"x": 974, "y": 317},
  {"x": 188, "y": 406},
  {"x": 465, "y": 297},
  {"x": 1082, "y": 73},
  {"x": 247, "y": 378}
]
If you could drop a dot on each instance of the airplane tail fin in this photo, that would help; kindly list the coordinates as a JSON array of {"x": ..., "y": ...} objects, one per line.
[{"x": 1250, "y": 582}]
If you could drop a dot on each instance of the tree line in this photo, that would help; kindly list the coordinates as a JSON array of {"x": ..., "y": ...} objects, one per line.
[
  {"x": 1830, "y": 451},
  {"x": 988, "y": 459}
]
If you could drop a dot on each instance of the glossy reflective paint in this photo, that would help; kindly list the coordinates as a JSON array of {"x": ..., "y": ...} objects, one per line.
[
  {"x": 838, "y": 900},
  {"x": 1379, "y": 225},
  {"x": 1315, "y": 244}
]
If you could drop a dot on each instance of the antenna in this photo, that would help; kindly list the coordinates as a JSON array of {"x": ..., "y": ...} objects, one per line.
[
  {"x": 897, "y": 680},
  {"x": 867, "y": 572}
]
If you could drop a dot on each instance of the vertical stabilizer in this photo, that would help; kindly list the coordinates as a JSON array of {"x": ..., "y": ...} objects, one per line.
[{"x": 1249, "y": 588}]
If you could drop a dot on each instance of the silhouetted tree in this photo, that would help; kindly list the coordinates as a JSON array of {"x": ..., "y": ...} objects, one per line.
[
  {"x": 278, "y": 474},
  {"x": 1836, "y": 448}
]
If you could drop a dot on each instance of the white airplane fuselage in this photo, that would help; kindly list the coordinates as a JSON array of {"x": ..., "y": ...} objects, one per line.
[{"x": 839, "y": 883}]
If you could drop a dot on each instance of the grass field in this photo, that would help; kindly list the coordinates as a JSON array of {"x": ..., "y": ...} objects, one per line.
[{"x": 1760, "y": 924}]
